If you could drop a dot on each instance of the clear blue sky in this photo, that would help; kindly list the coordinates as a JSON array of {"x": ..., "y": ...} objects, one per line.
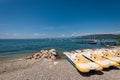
[{"x": 52, "y": 18}]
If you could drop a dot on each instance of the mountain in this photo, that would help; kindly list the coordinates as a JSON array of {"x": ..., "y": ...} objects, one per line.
[{"x": 99, "y": 36}]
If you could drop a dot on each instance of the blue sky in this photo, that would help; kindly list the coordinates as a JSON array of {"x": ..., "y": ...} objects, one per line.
[{"x": 58, "y": 18}]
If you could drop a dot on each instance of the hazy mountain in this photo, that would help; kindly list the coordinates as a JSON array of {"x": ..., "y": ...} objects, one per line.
[{"x": 99, "y": 36}]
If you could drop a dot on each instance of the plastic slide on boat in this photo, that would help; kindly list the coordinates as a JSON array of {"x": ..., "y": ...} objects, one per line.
[{"x": 81, "y": 63}]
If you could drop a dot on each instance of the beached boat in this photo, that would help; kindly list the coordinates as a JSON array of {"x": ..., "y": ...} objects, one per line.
[
  {"x": 81, "y": 63},
  {"x": 98, "y": 58}
]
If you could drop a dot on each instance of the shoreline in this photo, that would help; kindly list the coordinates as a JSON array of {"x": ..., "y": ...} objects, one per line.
[{"x": 23, "y": 56}]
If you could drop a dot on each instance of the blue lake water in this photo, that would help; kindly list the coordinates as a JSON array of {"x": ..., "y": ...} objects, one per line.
[{"x": 14, "y": 48}]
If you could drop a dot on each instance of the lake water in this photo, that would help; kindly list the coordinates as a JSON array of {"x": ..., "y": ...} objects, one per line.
[{"x": 15, "y": 48}]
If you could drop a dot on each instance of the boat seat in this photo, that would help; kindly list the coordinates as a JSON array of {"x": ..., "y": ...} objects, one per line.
[
  {"x": 81, "y": 59},
  {"x": 108, "y": 54},
  {"x": 117, "y": 53},
  {"x": 97, "y": 57}
]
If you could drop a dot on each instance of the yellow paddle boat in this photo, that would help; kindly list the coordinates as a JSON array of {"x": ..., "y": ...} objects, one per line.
[
  {"x": 81, "y": 63},
  {"x": 99, "y": 59}
]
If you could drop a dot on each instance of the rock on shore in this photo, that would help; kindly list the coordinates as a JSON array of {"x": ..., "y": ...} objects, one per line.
[{"x": 50, "y": 55}]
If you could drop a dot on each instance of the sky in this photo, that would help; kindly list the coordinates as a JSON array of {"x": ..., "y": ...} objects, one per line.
[{"x": 58, "y": 18}]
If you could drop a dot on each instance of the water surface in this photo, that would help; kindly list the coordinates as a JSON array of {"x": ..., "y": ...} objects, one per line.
[{"x": 14, "y": 48}]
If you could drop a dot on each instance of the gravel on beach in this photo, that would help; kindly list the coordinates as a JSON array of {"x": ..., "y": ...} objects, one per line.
[{"x": 60, "y": 69}]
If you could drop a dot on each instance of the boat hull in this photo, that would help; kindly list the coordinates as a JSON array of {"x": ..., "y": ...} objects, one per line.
[{"x": 84, "y": 70}]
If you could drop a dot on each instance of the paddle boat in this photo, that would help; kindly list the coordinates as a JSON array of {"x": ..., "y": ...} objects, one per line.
[
  {"x": 98, "y": 58},
  {"x": 81, "y": 63}
]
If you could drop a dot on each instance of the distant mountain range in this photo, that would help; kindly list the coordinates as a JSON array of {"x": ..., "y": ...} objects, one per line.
[{"x": 99, "y": 36}]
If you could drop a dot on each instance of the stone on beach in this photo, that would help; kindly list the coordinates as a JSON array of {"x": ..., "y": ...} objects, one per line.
[
  {"x": 48, "y": 54},
  {"x": 53, "y": 51},
  {"x": 28, "y": 57}
]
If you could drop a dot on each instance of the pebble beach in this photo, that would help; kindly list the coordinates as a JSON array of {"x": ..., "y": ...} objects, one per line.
[{"x": 60, "y": 69}]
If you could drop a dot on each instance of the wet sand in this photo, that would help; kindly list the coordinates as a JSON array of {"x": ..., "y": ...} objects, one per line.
[{"x": 60, "y": 69}]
